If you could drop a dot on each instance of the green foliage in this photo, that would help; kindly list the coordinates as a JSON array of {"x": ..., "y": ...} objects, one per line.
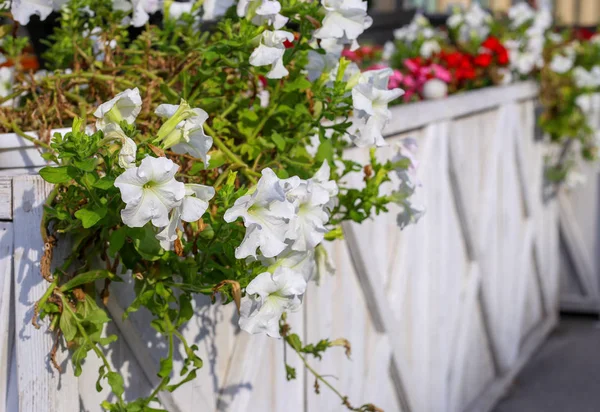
[{"x": 210, "y": 70}]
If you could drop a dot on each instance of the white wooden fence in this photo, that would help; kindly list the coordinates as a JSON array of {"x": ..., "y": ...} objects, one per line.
[
  {"x": 580, "y": 234},
  {"x": 441, "y": 316}
]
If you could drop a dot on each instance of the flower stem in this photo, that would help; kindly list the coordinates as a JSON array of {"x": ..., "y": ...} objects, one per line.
[{"x": 98, "y": 352}]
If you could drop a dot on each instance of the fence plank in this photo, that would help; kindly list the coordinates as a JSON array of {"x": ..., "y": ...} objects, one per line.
[
  {"x": 41, "y": 388},
  {"x": 6, "y": 316},
  {"x": 5, "y": 198}
]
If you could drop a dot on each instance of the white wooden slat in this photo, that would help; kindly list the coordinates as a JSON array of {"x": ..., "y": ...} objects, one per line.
[
  {"x": 417, "y": 115},
  {"x": 5, "y": 198},
  {"x": 7, "y": 326},
  {"x": 41, "y": 389},
  {"x": 336, "y": 308},
  {"x": 577, "y": 247},
  {"x": 21, "y": 158},
  {"x": 12, "y": 398},
  {"x": 14, "y": 141},
  {"x": 460, "y": 346}
]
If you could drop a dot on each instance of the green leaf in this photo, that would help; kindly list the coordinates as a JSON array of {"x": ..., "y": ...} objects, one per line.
[
  {"x": 78, "y": 356},
  {"x": 67, "y": 325},
  {"x": 117, "y": 240},
  {"x": 278, "y": 140},
  {"x": 190, "y": 376},
  {"x": 97, "y": 316},
  {"x": 89, "y": 277},
  {"x": 60, "y": 174},
  {"x": 146, "y": 244},
  {"x": 87, "y": 165},
  {"x": 294, "y": 340},
  {"x": 325, "y": 152},
  {"x": 105, "y": 183},
  {"x": 90, "y": 216},
  {"x": 166, "y": 366},
  {"x": 101, "y": 373},
  {"x": 300, "y": 83},
  {"x": 116, "y": 383},
  {"x": 186, "y": 311}
]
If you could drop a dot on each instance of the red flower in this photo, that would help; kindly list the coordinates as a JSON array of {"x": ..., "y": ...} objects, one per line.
[
  {"x": 453, "y": 59},
  {"x": 290, "y": 44},
  {"x": 483, "y": 59},
  {"x": 493, "y": 44},
  {"x": 502, "y": 56}
]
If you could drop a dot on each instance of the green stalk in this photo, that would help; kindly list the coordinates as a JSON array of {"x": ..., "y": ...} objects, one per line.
[{"x": 98, "y": 352}]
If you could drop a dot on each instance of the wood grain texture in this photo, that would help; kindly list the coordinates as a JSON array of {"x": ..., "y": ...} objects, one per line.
[
  {"x": 7, "y": 324},
  {"x": 440, "y": 315},
  {"x": 41, "y": 388},
  {"x": 5, "y": 198}
]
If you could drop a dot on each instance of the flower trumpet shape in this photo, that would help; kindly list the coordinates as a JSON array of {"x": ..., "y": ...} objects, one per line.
[
  {"x": 344, "y": 20},
  {"x": 187, "y": 134},
  {"x": 124, "y": 106},
  {"x": 128, "y": 152},
  {"x": 268, "y": 12},
  {"x": 192, "y": 207},
  {"x": 267, "y": 297},
  {"x": 312, "y": 198},
  {"x": 370, "y": 98},
  {"x": 266, "y": 214},
  {"x": 150, "y": 192},
  {"x": 270, "y": 51}
]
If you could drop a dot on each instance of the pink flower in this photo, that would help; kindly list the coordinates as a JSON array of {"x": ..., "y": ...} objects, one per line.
[{"x": 396, "y": 78}]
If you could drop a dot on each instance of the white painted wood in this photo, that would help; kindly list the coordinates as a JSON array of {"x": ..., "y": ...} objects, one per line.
[
  {"x": 420, "y": 114},
  {"x": 19, "y": 153},
  {"x": 41, "y": 388},
  {"x": 5, "y": 198},
  {"x": 440, "y": 316},
  {"x": 7, "y": 325}
]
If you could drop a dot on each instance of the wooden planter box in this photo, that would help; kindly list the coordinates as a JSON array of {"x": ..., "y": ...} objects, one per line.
[
  {"x": 19, "y": 155},
  {"x": 441, "y": 316}
]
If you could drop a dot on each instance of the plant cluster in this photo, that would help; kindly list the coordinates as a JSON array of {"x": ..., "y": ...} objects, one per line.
[
  {"x": 215, "y": 166},
  {"x": 478, "y": 50}
]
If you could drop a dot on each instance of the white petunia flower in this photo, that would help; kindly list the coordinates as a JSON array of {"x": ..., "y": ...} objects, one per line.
[
  {"x": 214, "y": 9},
  {"x": 128, "y": 152},
  {"x": 178, "y": 9},
  {"x": 419, "y": 25},
  {"x": 474, "y": 22},
  {"x": 266, "y": 214},
  {"x": 410, "y": 212},
  {"x": 150, "y": 192},
  {"x": 142, "y": 9},
  {"x": 311, "y": 199},
  {"x": 268, "y": 12},
  {"x": 22, "y": 10},
  {"x": 454, "y": 20},
  {"x": 191, "y": 209},
  {"x": 587, "y": 79},
  {"x": 344, "y": 20},
  {"x": 520, "y": 14},
  {"x": 370, "y": 98},
  {"x": 267, "y": 297},
  {"x": 389, "y": 48},
  {"x": 561, "y": 64},
  {"x": 270, "y": 52},
  {"x": 124, "y": 106},
  {"x": 429, "y": 48},
  {"x": 302, "y": 262},
  {"x": 188, "y": 135}
]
